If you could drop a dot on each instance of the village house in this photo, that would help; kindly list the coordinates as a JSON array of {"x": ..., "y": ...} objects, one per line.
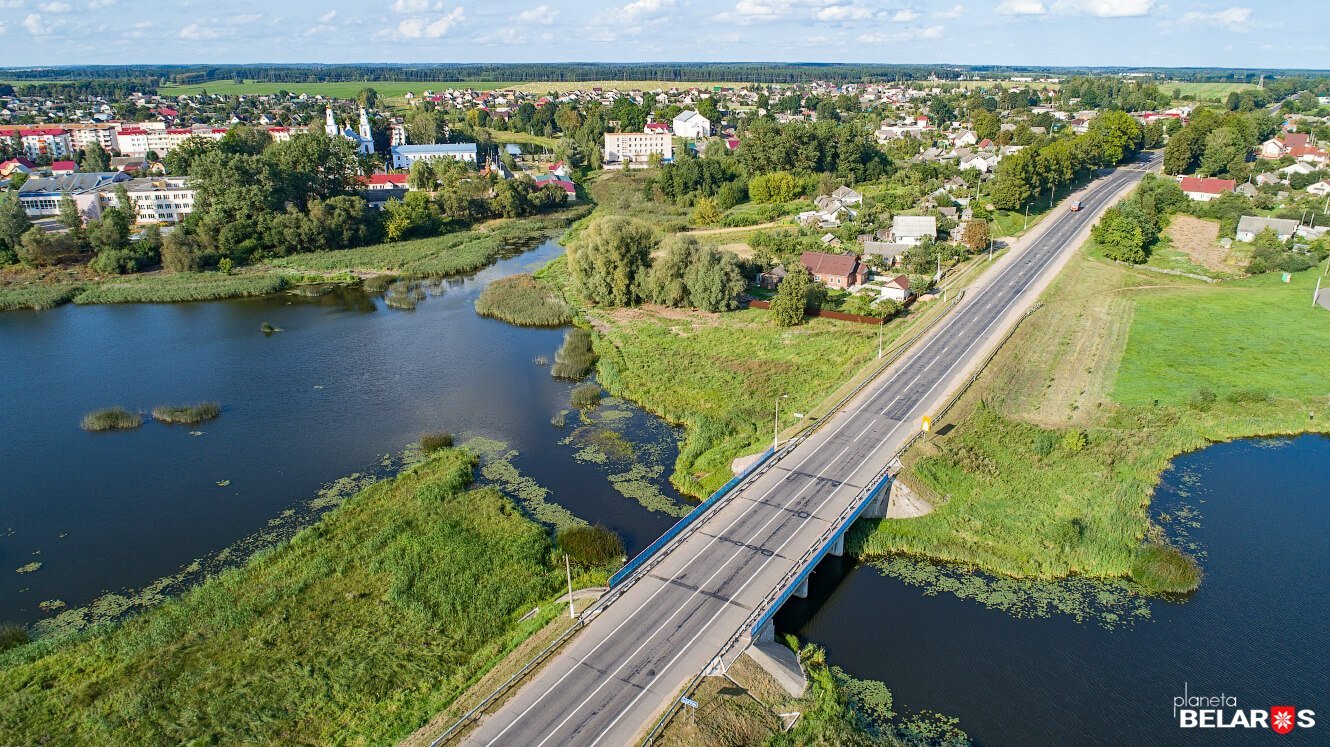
[
  {"x": 692, "y": 125},
  {"x": 406, "y": 155},
  {"x": 1249, "y": 226},
  {"x": 895, "y": 289},
  {"x": 910, "y": 230},
  {"x": 771, "y": 278},
  {"x": 841, "y": 271},
  {"x": 1205, "y": 188}
]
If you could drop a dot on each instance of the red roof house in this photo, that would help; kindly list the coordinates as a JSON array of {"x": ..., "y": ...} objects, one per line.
[
  {"x": 657, "y": 127},
  {"x": 384, "y": 181},
  {"x": 61, "y": 168},
  {"x": 1206, "y": 188},
  {"x": 834, "y": 270}
]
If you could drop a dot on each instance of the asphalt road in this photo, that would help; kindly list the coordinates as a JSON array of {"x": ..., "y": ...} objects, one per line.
[{"x": 626, "y": 666}]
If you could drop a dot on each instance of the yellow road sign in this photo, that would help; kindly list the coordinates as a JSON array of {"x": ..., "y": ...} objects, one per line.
[{"x": 928, "y": 423}]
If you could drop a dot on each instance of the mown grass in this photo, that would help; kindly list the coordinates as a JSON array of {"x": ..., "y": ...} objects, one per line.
[
  {"x": 182, "y": 286},
  {"x": 355, "y": 632},
  {"x": 111, "y": 419},
  {"x": 37, "y": 296},
  {"x": 575, "y": 357},
  {"x": 525, "y": 301},
  {"x": 186, "y": 414},
  {"x": 1030, "y": 491}
]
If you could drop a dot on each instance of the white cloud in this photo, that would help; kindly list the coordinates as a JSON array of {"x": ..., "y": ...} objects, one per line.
[
  {"x": 1021, "y": 8},
  {"x": 897, "y": 37},
  {"x": 641, "y": 9},
  {"x": 1234, "y": 19},
  {"x": 843, "y": 13},
  {"x": 954, "y": 12},
  {"x": 416, "y": 6},
  {"x": 541, "y": 15},
  {"x": 33, "y": 23},
  {"x": 328, "y": 17},
  {"x": 1104, "y": 8},
  {"x": 55, "y": 7},
  {"x": 424, "y": 27},
  {"x": 904, "y": 16},
  {"x": 11, "y": 3},
  {"x": 196, "y": 32},
  {"x": 99, "y": 4}
]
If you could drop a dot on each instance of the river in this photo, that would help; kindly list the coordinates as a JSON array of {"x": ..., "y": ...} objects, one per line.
[
  {"x": 1257, "y": 629},
  {"x": 347, "y": 381}
]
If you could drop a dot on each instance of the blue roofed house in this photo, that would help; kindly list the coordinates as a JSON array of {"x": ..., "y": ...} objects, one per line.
[{"x": 405, "y": 155}]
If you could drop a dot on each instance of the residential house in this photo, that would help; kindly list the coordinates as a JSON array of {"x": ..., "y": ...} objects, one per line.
[
  {"x": 895, "y": 289},
  {"x": 1206, "y": 188},
  {"x": 383, "y": 181},
  {"x": 1320, "y": 189},
  {"x": 1247, "y": 189},
  {"x": 692, "y": 125},
  {"x": 18, "y": 165},
  {"x": 847, "y": 196},
  {"x": 635, "y": 149},
  {"x": 843, "y": 271},
  {"x": 771, "y": 278},
  {"x": 1250, "y": 225},
  {"x": 405, "y": 155},
  {"x": 63, "y": 168},
  {"x": 910, "y": 230}
]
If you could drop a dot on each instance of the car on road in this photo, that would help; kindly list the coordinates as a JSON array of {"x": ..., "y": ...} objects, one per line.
[{"x": 1076, "y": 205}]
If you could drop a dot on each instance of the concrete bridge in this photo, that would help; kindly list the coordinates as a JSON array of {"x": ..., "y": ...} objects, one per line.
[{"x": 707, "y": 590}]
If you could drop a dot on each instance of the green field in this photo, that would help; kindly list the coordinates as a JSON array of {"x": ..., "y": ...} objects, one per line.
[
  {"x": 341, "y": 90},
  {"x": 355, "y": 632},
  {"x": 1204, "y": 91}
]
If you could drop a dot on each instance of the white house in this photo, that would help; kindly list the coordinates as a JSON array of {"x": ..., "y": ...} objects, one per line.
[
  {"x": 912, "y": 229},
  {"x": 692, "y": 125},
  {"x": 45, "y": 141},
  {"x": 405, "y": 155},
  {"x": 1320, "y": 189},
  {"x": 895, "y": 289},
  {"x": 1250, "y": 225},
  {"x": 636, "y": 148}
]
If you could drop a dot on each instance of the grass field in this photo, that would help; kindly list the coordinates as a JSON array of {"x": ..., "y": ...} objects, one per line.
[
  {"x": 1049, "y": 462},
  {"x": 1204, "y": 91},
  {"x": 355, "y": 632},
  {"x": 340, "y": 90}
]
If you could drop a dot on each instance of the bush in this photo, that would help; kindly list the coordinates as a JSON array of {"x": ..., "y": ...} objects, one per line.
[
  {"x": 575, "y": 357},
  {"x": 186, "y": 414},
  {"x": 111, "y": 418},
  {"x": 591, "y": 546},
  {"x": 432, "y": 442},
  {"x": 525, "y": 301},
  {"x": 1248, "y": 396},
  {"x": 13, "y": 635},
  {"x": 1074, "y": 441},
  {"x": 585, "y": 396},
  {"x": 1201, "y": 399},
  {"x": 1165, "y": 569}
]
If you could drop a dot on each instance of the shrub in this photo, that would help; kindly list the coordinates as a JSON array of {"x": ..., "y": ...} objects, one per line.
[
  {"x": 13, "y": 635},
  {"x": 1165, "y": 569},
  {"x": 111, "y": 418},
  {"x": 1249, "y": 396},
  {"x": 1074, "y": 441},
  {"x": 591, "y": 546},
  {"x": 1201, "y": 399},
  {"x": 575, "y": 357},
  {"x": 432, "y": 442},
  {"x": 525, "y": 301},
  {"x": 585, "y": 396},
  {"x": 186, "y": 414}
]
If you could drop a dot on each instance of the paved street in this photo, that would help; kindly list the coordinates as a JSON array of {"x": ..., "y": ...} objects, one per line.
[{"x": 609, "y": 684}]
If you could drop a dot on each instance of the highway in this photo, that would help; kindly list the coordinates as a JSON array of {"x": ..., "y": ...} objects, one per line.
[{"x": 610, "y": 682}]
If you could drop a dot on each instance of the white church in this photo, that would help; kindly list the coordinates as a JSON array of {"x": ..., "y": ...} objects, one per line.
[{"x": 364, "y": 139}]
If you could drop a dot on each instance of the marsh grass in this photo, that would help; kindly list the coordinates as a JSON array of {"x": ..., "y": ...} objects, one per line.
[
  {"x": 585, "y": 396},
  {"x": 182, "y": 286},
  {"x": 524, "y": 301},
  {"x": 575, "y": 357},
  {"x": 12, "y": 635},
  {"x": 37, "y": 296},
  {"x": 356, "y": 631},
  {"x": 1162, "y": 568},
  {"x": 432, "y": 442},
  {"x": 186, "y": 414},
  {"x": 591, "y": 546},
  {"x": 111, "y": 418}
]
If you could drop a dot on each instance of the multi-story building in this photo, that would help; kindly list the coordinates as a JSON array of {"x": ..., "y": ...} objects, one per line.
[
  {"x": 49, "y": 142},
  {"x": 636, "y": 148},
  {"x": 161, "y": 199},
  {"x": 405, "y": 155},
  {"x": 41, "y": 196}
]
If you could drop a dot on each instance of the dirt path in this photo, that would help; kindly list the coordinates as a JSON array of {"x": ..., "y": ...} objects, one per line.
[{"x": 734, "y": 229}]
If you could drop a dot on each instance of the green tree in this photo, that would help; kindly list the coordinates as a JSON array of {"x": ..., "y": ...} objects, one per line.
[
  {"x": 705, "y": 212},
  {"x": 312, "y": 166},
  {"x": 181, "y": 252},
  {"x": 1224, "y": 151},
  {"x": 1117, "y": 135},
  {"x": 791, "y": 297},
  {"x": 181, "y": 159},
  {"x": 367, "y": 97},
  {"x": 1120, "y": 237},
  {"x": 111, "y": 231},
  {"x": 609, "y": 260},
  {"x": 94, "y": 159},
  {"x": 415, "y": 215},
  {"x": 777, "y": 186},
  {"x": 14, "y": 223},
  {"x": 975, "y": 234},
  {"x": 71, "y": 218},
  {"x": 245, "y": 140}
]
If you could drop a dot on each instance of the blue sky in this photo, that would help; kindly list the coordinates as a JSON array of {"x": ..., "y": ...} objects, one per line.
[{"x": 1245, "y": 33}]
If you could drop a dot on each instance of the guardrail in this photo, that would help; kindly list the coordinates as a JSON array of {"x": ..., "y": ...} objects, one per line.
[{"x": 683, "y": 523}]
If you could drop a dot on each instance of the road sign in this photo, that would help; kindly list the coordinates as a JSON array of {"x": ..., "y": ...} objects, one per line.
[
  {"x": 688, "y": 702},
  {"x": 927, "y": 424}
]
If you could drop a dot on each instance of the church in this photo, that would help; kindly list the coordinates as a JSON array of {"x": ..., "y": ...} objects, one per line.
[{"x": 363, "y": 139}]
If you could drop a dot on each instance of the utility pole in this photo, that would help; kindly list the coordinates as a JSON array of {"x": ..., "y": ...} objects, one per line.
[
  {"x": 1027, "y": 217},
  {"x": 1316, "y": 292},
  {"x": 775, "y": 426},
  {"x": 568, "y": 566},
  {"x": 879, "y": 341}
]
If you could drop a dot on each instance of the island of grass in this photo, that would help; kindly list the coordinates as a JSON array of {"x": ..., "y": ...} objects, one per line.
[
  {"x": 111, "y": 419},
  {"x": 357, "y": 631},
  {"x": 524, "y": 301},
  {"x": 186, "y": 414},
  {"x": 1049, "y": 461}
]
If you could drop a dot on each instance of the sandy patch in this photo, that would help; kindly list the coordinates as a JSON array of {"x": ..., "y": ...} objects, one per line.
[{"x": 1199, "y": 240}]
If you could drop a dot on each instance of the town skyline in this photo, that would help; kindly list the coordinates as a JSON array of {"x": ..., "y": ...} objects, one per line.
[{"x": 1000, "y": 32}]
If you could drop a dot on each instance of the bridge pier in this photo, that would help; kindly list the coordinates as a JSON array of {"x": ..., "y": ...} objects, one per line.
[
  {"x": 801, "y": 589},
  {"x": 778, "y": 660},
  {"x": 837, "y": 546},
  {"x": 877, "y": 509}
]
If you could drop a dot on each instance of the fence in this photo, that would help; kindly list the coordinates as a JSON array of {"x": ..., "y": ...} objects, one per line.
[{"x": 826, "y": 314}]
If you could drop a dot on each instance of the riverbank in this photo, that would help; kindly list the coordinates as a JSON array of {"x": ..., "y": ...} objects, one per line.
[
  {"x": 1045, "y": 468},
  {"x": 448, "y": 254},
  {"x": 358, "y": 629}
]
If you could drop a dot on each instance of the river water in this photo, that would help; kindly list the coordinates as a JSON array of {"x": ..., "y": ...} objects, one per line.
[
  {"x": 1257, "y": 629},
  {"x": 347, "y": 381}
]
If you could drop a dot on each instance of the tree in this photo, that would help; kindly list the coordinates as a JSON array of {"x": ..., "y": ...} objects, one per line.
[
  {"x": 94, "y": 159},
  {"x": 1120, "y": 237},
  {"x": 705, "y": 212},
  {"x": 415, "y": 215},
  {"x": 345, "y": 221},
  {"x": 777, "y": 186},
  {"x": 367, "y": 97},
  {"x": 421, "y": 176},
  {"x": 1117, "y": 135},
  {"x": 180, "y": 160},
  {"x": 111, "y": 231},
  {"x": 791, "y": 297},
  {"x": 312, "y": 166},
  {"x": 1224, "y": 150},
  {"x": 975, "y": 234},
  {"x": 244, "y": 140},
  {"x": 38, "y": 248},
  {"x": 14, "y": 223},
  {"x": 688, "y": 274},
  {"x": 610, "y": 259},
  {"x": 181, "y": 252},
  {"x": 70, "y": 217}
]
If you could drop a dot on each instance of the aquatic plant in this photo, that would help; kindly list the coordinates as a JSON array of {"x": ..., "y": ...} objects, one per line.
[
  {"x": 585, "y": 396},
  {"x": 1161, "y": 568},
  {"x": 591, "y": 546},
  {"x": 111, "y": 418},
  {"x": 575, "y": 357},
  {"x": 524, "y": 301},
  {"x": 186, "y": 414},
  {"x": 12, "y": 635},
  {"x": 432, "y": 442}
]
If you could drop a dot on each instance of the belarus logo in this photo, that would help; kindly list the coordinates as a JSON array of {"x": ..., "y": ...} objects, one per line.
[{"x": 1282, "y": 718}]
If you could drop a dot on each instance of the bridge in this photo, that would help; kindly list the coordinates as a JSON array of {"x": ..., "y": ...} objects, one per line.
[{"x": 694, "y": 600}]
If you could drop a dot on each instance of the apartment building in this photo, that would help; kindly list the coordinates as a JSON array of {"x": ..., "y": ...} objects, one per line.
[{"x": 636, "y": 148}]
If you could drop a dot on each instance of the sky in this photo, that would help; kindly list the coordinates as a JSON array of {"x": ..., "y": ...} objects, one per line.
[{"x": 1176, "y": 33}]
